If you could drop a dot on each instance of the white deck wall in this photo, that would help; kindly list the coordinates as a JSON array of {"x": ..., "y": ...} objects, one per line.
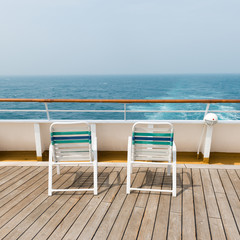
[{"x": 113, "y": 135}]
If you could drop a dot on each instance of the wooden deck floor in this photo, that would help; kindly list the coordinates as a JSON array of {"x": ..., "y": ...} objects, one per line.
[{"x": 207, "y": 205}]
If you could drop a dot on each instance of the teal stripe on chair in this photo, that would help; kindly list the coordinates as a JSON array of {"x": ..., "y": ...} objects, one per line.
[
  {"x": 153, "y": 143},
  {"x": 70, "y": 133},
  {"x": 153, "y": 134},
  {"x": 71, "y": 141}
]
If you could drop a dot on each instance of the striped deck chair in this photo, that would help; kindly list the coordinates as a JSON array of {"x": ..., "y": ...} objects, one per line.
[
  {"x": 72, "y": 143},
  {"x": 152, "y": 143}
]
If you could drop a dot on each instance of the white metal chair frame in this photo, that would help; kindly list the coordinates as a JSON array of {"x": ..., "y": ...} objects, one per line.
[
  {"x": 93, "y": 161},
  {"x": 171, "y": 162}
]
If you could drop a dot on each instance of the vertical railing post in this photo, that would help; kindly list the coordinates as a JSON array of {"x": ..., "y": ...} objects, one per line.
[
  {"x": 38, "y": 141},
  {"x": 125, "y": 112},
  {"x": 46, "y": 107},
  {"x": 207, "y": 108}
]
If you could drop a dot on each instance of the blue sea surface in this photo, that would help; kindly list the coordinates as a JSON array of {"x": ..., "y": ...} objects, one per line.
[{"x": 198, "y": 86}]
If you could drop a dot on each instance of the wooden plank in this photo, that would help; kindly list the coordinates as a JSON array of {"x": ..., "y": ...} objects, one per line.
[
  {"x": 39, "y": 199},
  {"x": 8, "y": 171},
  {"x": 202, "y": 226},
  {"x": 224, "y": 208},
  {"x": 110, "y": 217},
  {"x": 188, "y": 221},
  {"x": 135, "y": 220},
  {"x": 134, "y": 223},
  {"x": 215, "y": 222},
  {"x": 161, "y": 223},
  {"x": 211, "y": 202},
  {"x": 235, "y": 180},
  {"x": 19, "y": 180},
  {"x": 11, "y": 177},
  {"x": 26, "y": 223},
  {"x": 217, "y": 230},
  {"x": 65, "y": 223},
  {"x": 238, "y": 172},
  {"x": 121, "y": 222},
  {"x": 216, "y": 182},
  {"x": 143, "y": 196},
  {"x": 175, "y": 218},
  {"x": 150, "y": 213},
  {"x": 231, "y": 196},
  {"x": 83, "y": 180},
  {"x": 98, "y": 216},
  {"x": 16, "y": 205},
  {"x": 87, "y": 212},
  {"x": 15, "y": 197}
]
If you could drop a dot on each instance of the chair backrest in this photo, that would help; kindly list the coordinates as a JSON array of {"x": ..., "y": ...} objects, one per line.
[
  {"x": 152, "y": 141},
  {"x": 71, "y": 141}
]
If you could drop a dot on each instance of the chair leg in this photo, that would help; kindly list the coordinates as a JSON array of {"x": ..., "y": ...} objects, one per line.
[
  {"x": 174, "y": 180},
  {"x": 95, "y": 179},
  {"x": 168, "y": 170},
  {"x": 128, "y": 176},
  {"x": 50, "y": 179}
]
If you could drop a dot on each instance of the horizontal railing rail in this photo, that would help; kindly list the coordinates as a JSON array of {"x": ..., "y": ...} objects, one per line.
[{"x": 121, "y": 101}]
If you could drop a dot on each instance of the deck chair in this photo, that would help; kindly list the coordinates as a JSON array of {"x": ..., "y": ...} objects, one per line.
[
  {"x": 152, "y": 143},
  {"x": 72, "y": 143}
]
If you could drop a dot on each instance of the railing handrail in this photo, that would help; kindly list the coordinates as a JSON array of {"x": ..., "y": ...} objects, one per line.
[{"x": 122, "y": 100}]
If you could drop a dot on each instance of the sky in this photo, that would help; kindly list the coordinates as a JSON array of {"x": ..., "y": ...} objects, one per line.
[{"x": 89, "y": 37}]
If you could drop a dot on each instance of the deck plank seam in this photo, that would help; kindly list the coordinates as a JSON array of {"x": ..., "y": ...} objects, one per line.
[
  {"x": 25, "y": 206},
  {"x": 233, "y": 185},
  {"x": 122, "y": 169},
  {"x": 238, "y": 173},
  {"x": 45, "y": 209},
  {"x": 133, "y": 179},
  {"x": 32, "y": 210},
  {"x": 24, "y": 179},
  {"x": 82, "y": 184},
  {"x": 123, "y": 205},
  {"x": 140, "y": 225},
  {"x": 7, "y": 181},
  {"x": 82, "y": 195},
  {"x": 205, "y": 203},
  {"x": 24, "y": 190},
  {"x": 228, "y": 200},
  {"x": 6, "y": 172},
  {"x": 220, "y": 214},
  {"x": 99, "y": 174},
  {"x": 159, "y": 199},
  {"x": 101, "y": 202},
  {"x": 123, "y": 182},
  {"x": 102, "y": 184},
  {"x": 194, "y": 211},
  {"x": 181, "y": 203}
]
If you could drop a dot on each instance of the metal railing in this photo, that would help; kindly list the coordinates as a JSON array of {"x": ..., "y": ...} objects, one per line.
[{"x": 121, "y": 101}]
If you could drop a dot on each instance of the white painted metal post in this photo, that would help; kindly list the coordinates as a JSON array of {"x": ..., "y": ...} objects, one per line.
[
  {"x": 207, "y": 145},
  {"x": 46, "y": 106},
  {"x": 125, "y": 112},
  {"x": 50, "y": 172},
  {"x": 38, "y": 143},
  {"x": 129, "y": 170},
  {"x": 206, "y": 110}
]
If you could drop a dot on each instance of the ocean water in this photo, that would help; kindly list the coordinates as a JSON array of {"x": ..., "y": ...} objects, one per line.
[{"x": 213, "y": 86}]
